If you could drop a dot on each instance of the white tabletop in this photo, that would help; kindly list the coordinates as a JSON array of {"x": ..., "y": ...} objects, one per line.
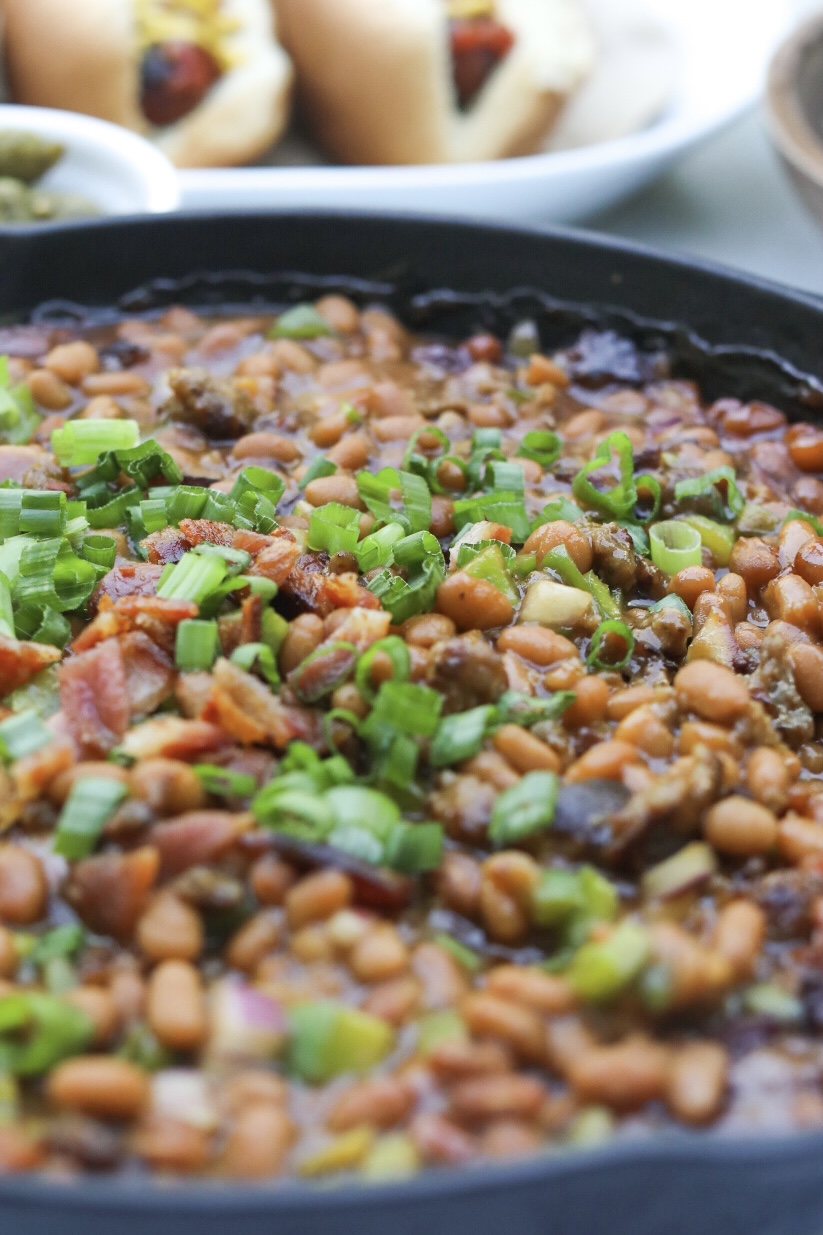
[{"x": 730, "y": 202}]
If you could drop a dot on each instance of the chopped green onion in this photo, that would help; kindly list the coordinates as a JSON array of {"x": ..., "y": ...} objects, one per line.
[
  {"x": 297, "y": 812},
  {"x": 18, "y": 417},
  {"x": 675, "y": 545},
  {"x": 237, "y": 560},
  {"x": 502, "y": 506},
  {"x": 328, "y": 1039},
  {"x": 515, "y": 708},
  {"x": 583, "y": 894},
  {"x": 524, "y": 809},
  {"x": 489, "y": 564},
  {"x": 100, "y": 551},
  {"x": 257, "y": 656},
  {"x": 377, "y": 491},
  {"x": 301, "y": 322},
  {"x": 354, "y": 805},
  {"x": 335, "y": 528},
  {"x": 406, "y": 598},
  {"x": 61, "y": 941},
  {"x": 650, "y": 485},
  {"x": 318, "y": 468},
  {"x": 560, "y": 508},
  {"x": 407, "y": 708},
  {"x": 719, "y": 538},
  {"x": 6, "y": 611},
  {"x": 113, "y": 513},
  {"x": 773, "y": 1002},
  {"x": 672, "y": 602},
  {"x": 468, "y": 959},
  {"x": 415, "y": 847},
  {"x": 560, "y": 561},
  {"x": 193, "y": 578},
  {"x": 605, "y": 632},
  {"x": 22, "y": 734},
  {"x": 601, "y": 970},
  {"x": 708, "y": 485},
  {"x": 376, "y": 549},
  {"x": 460, "y": 736},
  {"x": 393, "y": 647},
  {"x": 185, "y": 502},
  {"x": 619, "y": 500},
  {"x": 83, "y": 441},
  {"x": 196, "y": 645},
  {"x": 38, "y": 1030},
  {"x": 541, "y": 445},
  {"x": 639, "y": 535},
  {"x": 88, "y": 808},
  {"x": 223, "y": 782},
  {"x": 258, "y": 480}
]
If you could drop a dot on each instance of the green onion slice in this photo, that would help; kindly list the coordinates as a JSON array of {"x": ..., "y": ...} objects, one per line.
[
  {"x": 460, "y": 736},
  {"x": 526, "y": 808},
  {"x": 614, "y": 453},
  {"x": 223, "y": 782},
  {"x": 83, "y": 441},
  {"x": 600, "y": 656},
  {"x": 22, "y": 734},
  {"x": 542, "y": 446},
  {"x": 712, "y": 485},
  {"x": 87, "y": 810},
  {"x": 196, "y": 645},
  {"x": 393, "y": 647},
  {"x": 301, "y": 322},
  {"x": 675, "y": 545}
]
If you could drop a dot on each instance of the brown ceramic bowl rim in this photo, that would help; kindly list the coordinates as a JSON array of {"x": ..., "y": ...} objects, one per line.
[{"x": 790, "y": 128}]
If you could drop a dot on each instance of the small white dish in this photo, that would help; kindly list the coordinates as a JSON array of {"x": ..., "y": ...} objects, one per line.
[
  {"x": 115, "y": 169},
  {"x": 722, "y": 49}
]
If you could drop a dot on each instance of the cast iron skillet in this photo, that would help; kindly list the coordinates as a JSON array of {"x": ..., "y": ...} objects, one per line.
[{"x": 737, "y": 337}]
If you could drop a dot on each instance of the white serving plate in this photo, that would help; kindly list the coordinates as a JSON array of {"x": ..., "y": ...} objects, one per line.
[{"x": 722, "y": 49}]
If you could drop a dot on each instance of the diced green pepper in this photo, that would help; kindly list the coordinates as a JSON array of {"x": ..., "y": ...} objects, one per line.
[{"x": 328, "y": 1039}]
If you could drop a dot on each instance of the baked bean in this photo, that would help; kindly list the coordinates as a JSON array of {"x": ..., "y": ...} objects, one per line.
[
  {"x": 170, "y": 930},
  {"x": 605, "y": 761},
  {"x": 524, "y": 751},
  {"x": 176, "y": 1007},
  {"x": 623, "y": 702},
  {"x": 807, "y": 663},
  {"x": 696, "y": 733},
  {"x": 805, "y": 444},
  {"x": 541, "y": 370},
  {"x": 427, "y": 629},
  {"x": 691, "y": 582},
  {"x": 458, "y": 1058},
  {"x": 767, "y": 778},
  {"x": 732, "y": 589},
  {"x": 738, "y": 935},
  {"x": 544, "y": 992},
  {"x": 755, "y": 561},
  {"x": 584, "y": 424},
  {"x": 799, "y": 838},
  {"x": 258, "y": 1142},
  {"x": 60, "y": 786},
  {"x": 336, "y": 488},
  {"x": 644, "y": 729},
  {"x": 351, "y": 453},
  {"x": 473, "y": 604},
  {"x": 510, "y": 1138},
  {"x": 255, "y": 939},
  {"x": 314, "y": 898},
  {"x": 591, "y": 697},
  {"x": 266, "y": 445},
  {"x": 696, "y": 974},
  {"x": 537, "y": 644},
  {"x": 270, "y": 879},
  {"x": 442, "y": 979},
  {"x": 712, "y": 691},
  {"x": 740, "y": 827},
  {"x": 440, "y": 1141},
  {"x": 102, "y": 407},
  {"x": 129, "y": 994},
  {"x": 381, "y": 1101},
  {"x": 393, "y": 1001},
  {"x": 491, "y": 767},
  {"x": 169, "y": 786},
  {"x": 340, "y": 312},
  {"x": 697, "y": 1082},
  {"x": 49, "y": 390},
  {"x": 790, "y": 599},
  {"x": 624, "y": 1076},
  {"x": 442, "y": 517},
  {"x": 9, "y": 960},
  {"x": 517, "y": 1026},
  {"x": 808, "y": 561},
  {"x": 71, "y": 362},
  {"x": 168, "y": 1144},
  {"x": 24, "y": 891},
  {"x": 396, "y": 428},
  {"x": 115, "y": 383},
  {"x": 490, "y": 1097},
  {"x": 560, "y": 533},
  {"x": 379, "y": 955},
  {"x": 99, "y": 1085}
]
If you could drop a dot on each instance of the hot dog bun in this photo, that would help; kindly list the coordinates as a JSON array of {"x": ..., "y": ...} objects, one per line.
[
  {"x": 376, "y": 84},
  {"x": 82, "y": 55}
]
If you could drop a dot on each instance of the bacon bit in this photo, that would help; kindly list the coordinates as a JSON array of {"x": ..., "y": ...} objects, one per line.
[
  {"x": 20, "y": 660},
  {"x": 251, "y": 624},
  {"x": 253, "y": 542},
  {"x": 276, "y": 560},
  {"x": 362, "y": 627},
  {"x": 197, "y": 838},
  {"x": 167, "y": 610},
  {"x": 312, "y": 589},
  {"x": 149, "y": 673},
  {"x": 34, "y": 772},
  {"x": 207, "y": 531},
  {"x": 192, "y": 691},
  {"x": 247, "y": 710},
  {"x": 344, "y": 592},
  {"x": 110, "y": 891},
  {"x": 167, "y": 545},
  {"x": 108, "y": 624},
  {"x": 128, "y": 579},
  {"x": 94, "y": 699},
  {"x": 172, "y": 737}
]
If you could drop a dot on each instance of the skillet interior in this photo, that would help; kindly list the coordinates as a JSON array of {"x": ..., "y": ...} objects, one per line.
[{"x": 743, "y": 338}]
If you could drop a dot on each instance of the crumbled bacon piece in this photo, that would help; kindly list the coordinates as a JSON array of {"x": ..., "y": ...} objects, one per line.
[{"x": 19, "y": 661}]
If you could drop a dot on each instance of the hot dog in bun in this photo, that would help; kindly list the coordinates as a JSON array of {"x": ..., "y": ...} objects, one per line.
[
  {"x": 206, "y": 79},
  {"x": 434, "y": 81}
]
